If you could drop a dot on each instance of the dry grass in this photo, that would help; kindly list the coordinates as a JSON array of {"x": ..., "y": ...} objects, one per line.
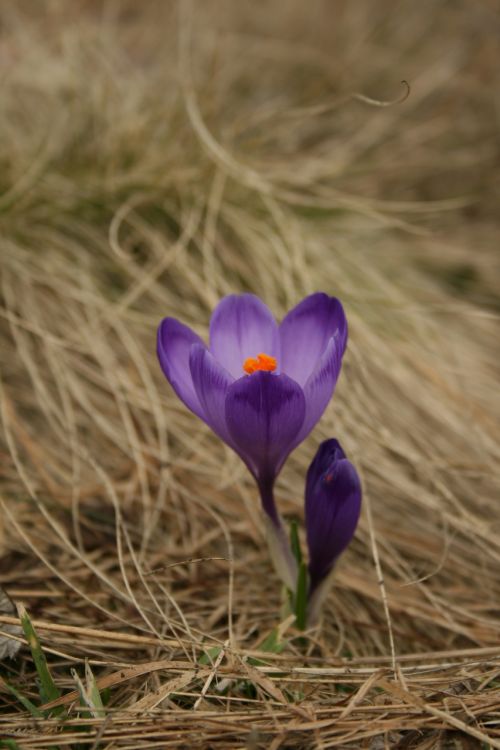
[{"x": 136, "y": 186}]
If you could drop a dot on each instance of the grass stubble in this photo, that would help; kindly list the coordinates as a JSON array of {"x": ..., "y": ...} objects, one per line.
[{"x": 155, "y": 157}]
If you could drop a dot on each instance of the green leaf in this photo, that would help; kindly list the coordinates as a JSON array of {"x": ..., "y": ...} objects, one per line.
[
  {"x": 48, "y": 689},
  {"x": 90, "y": 696},
  {"x": 210, "y": 655},
  {"x": 341, "y": 687},
  {"x": 82, "y": 694},
  {"x": 93, "y": 691},
  {"x": 301, "y": 598},
  {"x": 272, "y": 644},
  {"x": 295, "y": 542},
  {"x": 28, "y": 705}
]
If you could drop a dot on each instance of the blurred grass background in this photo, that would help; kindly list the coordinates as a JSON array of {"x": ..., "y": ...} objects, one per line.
[{"x": 154, "y": 157}]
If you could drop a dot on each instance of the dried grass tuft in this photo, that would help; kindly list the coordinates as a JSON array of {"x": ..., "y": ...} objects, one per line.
[{"x": 154, "y": 158}]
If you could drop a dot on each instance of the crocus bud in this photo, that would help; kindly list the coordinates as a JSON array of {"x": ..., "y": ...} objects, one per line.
[{"x": 333, "y": 504}]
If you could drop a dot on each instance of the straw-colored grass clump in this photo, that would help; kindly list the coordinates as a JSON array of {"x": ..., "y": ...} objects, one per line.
[{"x": 155, "y": 157}]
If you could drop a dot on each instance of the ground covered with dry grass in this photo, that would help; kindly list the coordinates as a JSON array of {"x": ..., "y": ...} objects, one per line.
[{"x": 154, "y": 157}]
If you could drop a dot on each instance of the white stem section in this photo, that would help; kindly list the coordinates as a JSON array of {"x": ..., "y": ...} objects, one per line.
[
  {"x": 281, "y": 553},
  {"x": 317, "y": 599}
]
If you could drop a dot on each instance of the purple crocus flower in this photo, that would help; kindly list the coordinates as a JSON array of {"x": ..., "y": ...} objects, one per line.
[
  {"x": 333, "y": 505},
  {"x": 260, "y": 387}
]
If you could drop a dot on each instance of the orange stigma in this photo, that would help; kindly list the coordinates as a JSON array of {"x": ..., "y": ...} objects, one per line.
[{"x": 263, "y": 362}]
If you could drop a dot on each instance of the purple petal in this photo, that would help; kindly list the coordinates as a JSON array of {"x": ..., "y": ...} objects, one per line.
[
  {"x": 264, "y": 413},
  {"x": 320, "y": 386},
  {"x": 174, "y": 344},
  {"x": 327, "y": 454},
  {"x": 241, "y": 327},
  {"x": 211, "y": 382},
  {"x": 333, "y": 505},
  {"x": 306, "y": 331}
]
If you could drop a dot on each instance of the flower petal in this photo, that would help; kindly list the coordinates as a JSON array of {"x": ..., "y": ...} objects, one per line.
[
  {"x": 320, "y": 386},
  {"x": 242, "y": 326},
  {"x": 174, "y": 342},
  {"x": 264, "y": 413},
  {"x": 328, "y": 453},
  {"x": 333, "y": 505},
  {"x": 306, "y": 331},
  {"x": 211, "y": 382}
]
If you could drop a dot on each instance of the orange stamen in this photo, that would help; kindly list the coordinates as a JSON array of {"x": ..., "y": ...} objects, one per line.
[{"x": 263, "y": 362}]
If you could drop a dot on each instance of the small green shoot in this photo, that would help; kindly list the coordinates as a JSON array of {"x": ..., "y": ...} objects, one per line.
[
  {"x": 298, "y": 602},
  {"x": 28, "y": 705},
  {"x": 210, "y": 655},
  {"x": 272, "y": 643},
  {"x": 295, "y": 541},
  {"x": 341, "y": 687},
  {"x": 9, "y": 744},
  {"x": 90, "y": 696},
  {"x": 301, "y": 598},
  {"x": 48, "y": 689}
]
